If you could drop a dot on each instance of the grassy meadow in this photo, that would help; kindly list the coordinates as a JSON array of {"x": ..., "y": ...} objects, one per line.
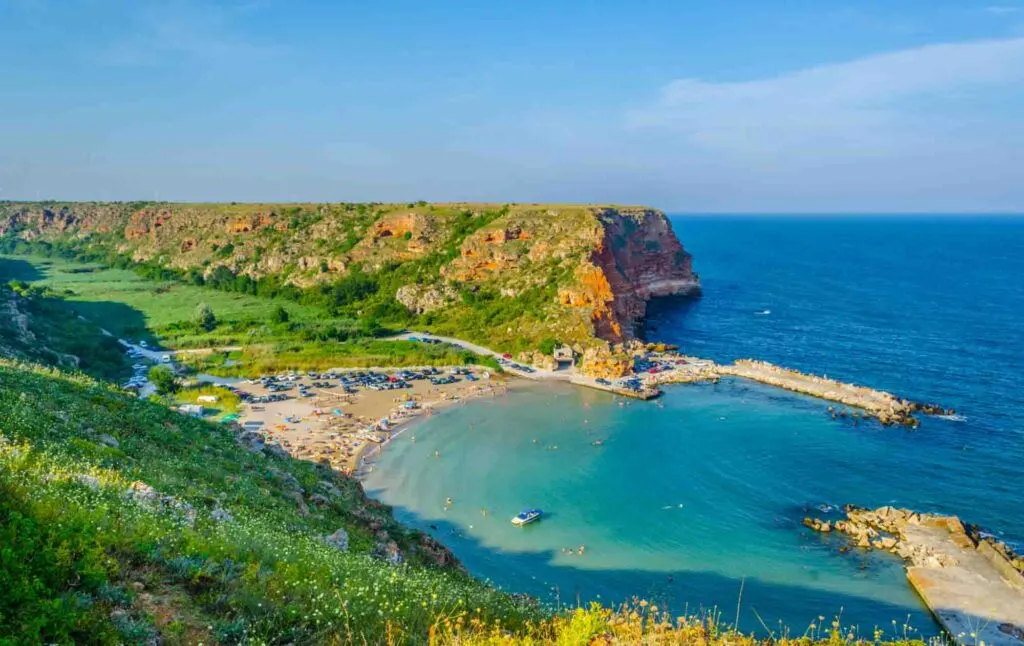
[{"x": 133, "y": 307}]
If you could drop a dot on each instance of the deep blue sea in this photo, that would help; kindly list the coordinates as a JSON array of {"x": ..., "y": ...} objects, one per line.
[{"x": 700, "y": 495}]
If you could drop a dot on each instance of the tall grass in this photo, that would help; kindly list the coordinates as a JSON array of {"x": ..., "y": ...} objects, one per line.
[{"x": 254, "y": 361}]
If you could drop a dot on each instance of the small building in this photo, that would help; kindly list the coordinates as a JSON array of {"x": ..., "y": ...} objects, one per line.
[
  {"x": 195, "y": 410},
  {"x": 564, "y": 354}
]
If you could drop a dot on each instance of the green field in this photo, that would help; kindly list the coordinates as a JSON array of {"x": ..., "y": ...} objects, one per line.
[{"x": 132, "y": 307}]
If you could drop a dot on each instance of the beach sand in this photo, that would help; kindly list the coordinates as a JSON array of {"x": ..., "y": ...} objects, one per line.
[{"x": 368, "y": 418}]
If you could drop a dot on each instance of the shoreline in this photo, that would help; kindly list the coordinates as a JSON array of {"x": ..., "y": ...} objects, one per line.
[
  {"x": 343, "y": 429},
  {"x": 369, "y": 455}
]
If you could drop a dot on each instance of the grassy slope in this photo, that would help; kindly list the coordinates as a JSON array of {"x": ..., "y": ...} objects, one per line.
[
  {"x": 38, "y": 325},
  {"x": 73, "y": 547}
]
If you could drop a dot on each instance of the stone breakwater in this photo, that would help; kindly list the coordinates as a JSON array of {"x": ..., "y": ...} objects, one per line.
[
  {"x": 972, "y": 583},
  {"x": 889, "y": 409}
]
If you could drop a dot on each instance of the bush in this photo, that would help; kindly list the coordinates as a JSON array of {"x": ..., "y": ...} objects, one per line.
[
  {"x": 547, "y": 346},
  {"x": 204, "y": 317},
  {"x": 163, "y": 379},
  {"x": 279, "y": 315}
]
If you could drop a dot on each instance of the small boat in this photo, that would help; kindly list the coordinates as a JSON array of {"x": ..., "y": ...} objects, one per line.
[{"x": 527, "y": 516}]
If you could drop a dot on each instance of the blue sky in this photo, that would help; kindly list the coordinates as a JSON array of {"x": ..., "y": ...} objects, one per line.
[{"x": 899, "y": 106}]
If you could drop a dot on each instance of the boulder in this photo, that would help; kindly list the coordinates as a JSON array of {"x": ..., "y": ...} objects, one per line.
[
  {"x": 221, "y": 515},
  {"x": 109, "y": 440},
  {"x": 299, "y": 502},
  {"x": 330, "y": 488},
  {"x": 338, "y": 540},
  {"x": 390, "y": 552},
  {"x": 90, "y": 482}
]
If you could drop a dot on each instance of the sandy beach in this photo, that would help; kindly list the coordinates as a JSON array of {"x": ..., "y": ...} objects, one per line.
[{"x": 343, "y": 429}]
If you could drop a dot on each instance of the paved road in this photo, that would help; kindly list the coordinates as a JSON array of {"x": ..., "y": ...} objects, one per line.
[{"x": 539, "y": 374}]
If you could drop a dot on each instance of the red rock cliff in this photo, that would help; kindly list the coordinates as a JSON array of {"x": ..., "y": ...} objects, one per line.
[{"x": 637, "y": 258}]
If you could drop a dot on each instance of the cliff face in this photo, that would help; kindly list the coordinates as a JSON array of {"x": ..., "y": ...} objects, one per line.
[
  {"x": 581, "y": 272},
  {"x": 637, "y": 257}
]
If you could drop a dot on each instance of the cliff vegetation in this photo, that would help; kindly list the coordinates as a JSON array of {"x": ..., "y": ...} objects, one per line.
[{"x": 507, "y": 275}]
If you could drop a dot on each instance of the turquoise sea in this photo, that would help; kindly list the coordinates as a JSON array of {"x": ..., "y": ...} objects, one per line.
[{"x": 699, "y": 496}]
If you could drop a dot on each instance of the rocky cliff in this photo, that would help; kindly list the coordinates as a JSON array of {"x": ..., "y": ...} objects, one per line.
[{"x": 579, "y": 272}]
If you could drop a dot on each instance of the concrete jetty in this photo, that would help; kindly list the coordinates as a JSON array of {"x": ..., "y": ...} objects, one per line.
[
  {"x": 973, "y": 585},
  {"x": 648, "y": 392}
]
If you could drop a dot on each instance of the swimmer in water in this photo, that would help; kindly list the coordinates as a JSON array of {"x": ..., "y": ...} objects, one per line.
[
  {"x": 437, "y": 454},
  {"x": 583, "y": 548},
  {"x": 448, "y": 503},
  {"x": 483, "y": 512}
]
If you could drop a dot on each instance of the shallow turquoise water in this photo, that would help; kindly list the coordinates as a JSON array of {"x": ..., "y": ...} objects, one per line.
[{"x": 692, "y": 497}]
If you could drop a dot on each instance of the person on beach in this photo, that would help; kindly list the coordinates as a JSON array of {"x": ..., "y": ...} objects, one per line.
[{"x": 448, "y": 503}]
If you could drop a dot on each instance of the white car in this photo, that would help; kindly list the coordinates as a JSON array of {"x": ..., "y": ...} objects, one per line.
[
  {"x": 166, "y": 358},
  {"x": 143, "y": 344}
]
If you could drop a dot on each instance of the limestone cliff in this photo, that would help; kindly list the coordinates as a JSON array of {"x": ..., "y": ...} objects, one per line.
[{"x": 580, "y": 273}]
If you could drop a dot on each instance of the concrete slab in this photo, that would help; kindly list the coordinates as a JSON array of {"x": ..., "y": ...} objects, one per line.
[{"x": 972, "y": 600}]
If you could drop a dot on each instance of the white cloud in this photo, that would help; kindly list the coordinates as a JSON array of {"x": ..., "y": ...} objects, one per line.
[
  {"x": 918, "y": 126},
  {"x": 857, "y": 100},
  {"x": 1002, "y": 10}
]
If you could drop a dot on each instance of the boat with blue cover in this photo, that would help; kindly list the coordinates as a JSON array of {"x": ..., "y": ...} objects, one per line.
[{"x": 527, "y": 516}]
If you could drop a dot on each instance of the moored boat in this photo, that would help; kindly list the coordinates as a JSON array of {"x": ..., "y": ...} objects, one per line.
[{"x": 527, "y": 516}]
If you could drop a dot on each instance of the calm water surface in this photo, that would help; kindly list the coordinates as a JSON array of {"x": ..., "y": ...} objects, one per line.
[{"x": 690, "y": 498}]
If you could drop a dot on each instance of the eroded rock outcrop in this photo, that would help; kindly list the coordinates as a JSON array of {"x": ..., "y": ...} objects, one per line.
[
  {"x": 606, "y": 363},
  {"x": 426, "y": 298}
]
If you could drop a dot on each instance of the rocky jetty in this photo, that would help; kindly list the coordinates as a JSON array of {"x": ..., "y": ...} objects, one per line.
[
  {"x": 973, "y": 584},
  {"x": 889, "y": 409}
]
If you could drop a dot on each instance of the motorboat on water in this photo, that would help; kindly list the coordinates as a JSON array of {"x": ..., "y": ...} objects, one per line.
[{"x": 527, "y": 516}]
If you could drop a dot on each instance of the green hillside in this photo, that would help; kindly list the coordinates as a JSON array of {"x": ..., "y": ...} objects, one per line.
[{"x": 120, "y": 520}]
